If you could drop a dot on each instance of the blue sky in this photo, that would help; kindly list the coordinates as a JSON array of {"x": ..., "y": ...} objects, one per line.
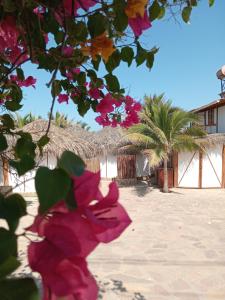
[{"x": 184, "y": 69}]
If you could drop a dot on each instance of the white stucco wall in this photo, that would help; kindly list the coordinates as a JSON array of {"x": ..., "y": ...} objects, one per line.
[
  {"x": 190, "y": 178},
  {"x": 211, "y": 178},
  {"x": 221, "y": 119},
  {"x": 25, "y": 184},
  {"x": 108, "y": 166},
  {"x": 103, "y": 160}
]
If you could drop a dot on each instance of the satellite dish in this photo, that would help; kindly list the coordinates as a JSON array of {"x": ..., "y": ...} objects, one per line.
[{"x": 221, "y": 73}]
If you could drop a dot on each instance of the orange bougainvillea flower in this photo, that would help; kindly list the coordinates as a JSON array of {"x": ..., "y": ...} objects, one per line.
[
  {"x": 101, "y": 45},
  {"x": 135, "y": 7}
]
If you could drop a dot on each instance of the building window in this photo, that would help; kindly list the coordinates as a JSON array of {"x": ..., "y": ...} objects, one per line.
[{"x": 211, "y": 117}]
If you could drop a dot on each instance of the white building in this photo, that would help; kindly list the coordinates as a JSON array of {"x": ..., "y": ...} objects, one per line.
[{"x": 205, "y": 169}]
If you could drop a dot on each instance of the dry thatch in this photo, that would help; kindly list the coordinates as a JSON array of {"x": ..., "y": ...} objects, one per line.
[
  {"x": 114, "y": 140},
  {"x": 60, "y": 140},
  {"x": 212, "y": 139}
]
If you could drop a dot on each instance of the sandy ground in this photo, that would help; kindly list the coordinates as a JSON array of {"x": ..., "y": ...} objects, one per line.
[{"x": 174, "y": 249}]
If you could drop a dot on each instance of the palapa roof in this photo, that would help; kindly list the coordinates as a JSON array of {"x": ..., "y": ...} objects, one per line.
[
  {"x": 212, "y": 139},
  {"x": 114, "y": 140},
  {"x": 60, "y": 139}
]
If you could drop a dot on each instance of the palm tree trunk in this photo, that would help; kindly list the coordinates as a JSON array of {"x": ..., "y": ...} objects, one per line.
[{"x": 165, "y": 176}]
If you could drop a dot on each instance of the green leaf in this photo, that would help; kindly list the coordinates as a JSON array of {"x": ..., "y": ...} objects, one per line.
[
  {"x": 70, "y": 198},
  {"x": 211, "y": 2},
  {"x": 8, "y": 266},
  {"x": 81, "y": 78},
  {"x": 141, "y": 55},
  {"x": 162, "y": 12},
  {"x": 186, "y": 13},
  {"x": 71, "y": 163},
  {"x": 3, "y": 143},
  {"x": 83, "y": 107},
  {"x": 150, "y": 60},
  {"x": 20, "y": 73},
  {"x": 43, "y": 141},
  {"x": 25, "y": 146},
  {"x": 16, "y": 93},
  {"x": 113, "y": 61},
  {"x": 97, "y": 24},
  {"x": 51, "y": 186},
  {"x": 22, "y": 166},
  {"x": 112, "y": 82},
  {"x": 80, "y": 31},
  {"x": 154, "y": 10},
  {"x": 56, "y": 88},
  {"x": 13, "y": 105},
  {"x": 18, "y": 289},
  {"x": 9, "y": 6},
  {"x": 12, "y": 209},
  {"x": 127, "y": 55},
  {"x": 120, "y": 21},
  {"x": 7, "y": 121},
  {"x": 8, "y": 245},
  {"x": 96, "y": 62}
]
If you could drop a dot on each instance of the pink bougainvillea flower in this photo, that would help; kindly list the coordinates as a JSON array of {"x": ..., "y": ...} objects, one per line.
[
  {"x": 94, "y": 93},
  {"x": 29, "y": 81},
  {"x": 139, "y": 24},
  {"x": 107, "y": 217},
  {"x": 63, "y": 98},
  {"x": 105, "y": 105},
  {"x": 83, "y": 4},
  {"x": 76, "y": 71},
  {"x": 61, "y": 277},
  {"x": 39, "y": 11},
  {"x": 11, "y": 48},
  {"x": 8, "y": 33},
  {"x": 67, "y": 51},
  {"x": 86, "y": 187},
  {"x": 103, "y": 120},
  {"x": 46, "y": 38},
  {"x": 68, "y": 237}
]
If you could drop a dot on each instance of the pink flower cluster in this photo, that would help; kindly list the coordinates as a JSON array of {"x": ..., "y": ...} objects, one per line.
[
  {"x": 29, "y": 81},
  {"x": 111, "y": 114},
  {"x": 11, "y": 48},
  {"x": 68, "y": 237},
  {"x": 139, "y": 24},
  {"x": 81, "y": 4}
]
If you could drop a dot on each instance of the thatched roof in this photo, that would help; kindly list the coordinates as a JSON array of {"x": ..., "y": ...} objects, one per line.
[
  {"x": 113, "y": 140},
  {"x": 60, "y": 139},
  {"x": 116, "y": 141},
  {"x": 212, "y": 139}
]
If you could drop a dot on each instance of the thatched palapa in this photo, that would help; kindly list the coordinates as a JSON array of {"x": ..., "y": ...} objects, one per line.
[{"x": 60, "y": 140}]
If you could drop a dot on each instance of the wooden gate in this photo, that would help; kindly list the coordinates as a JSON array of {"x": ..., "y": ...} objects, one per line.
[{"x": 126, "y": 166}]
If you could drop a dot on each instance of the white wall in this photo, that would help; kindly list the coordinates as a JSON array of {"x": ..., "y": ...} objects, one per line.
[
  {"x": 25, "y": 184},
  {"x": 221, "y": 119},
  {"x": 189, "y": 177},
  {"x": 142, "y": 165},
  {"x": 211, "y": 178},
  {"x": 111, "y": 166},
  {"x": 108, "y": 166},
  {"x": 103, "y": 166}
]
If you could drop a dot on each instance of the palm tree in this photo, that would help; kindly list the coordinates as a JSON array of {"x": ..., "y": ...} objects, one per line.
[
  {"x": 21, "y": 121},
  {"x": 83, "y": 125},
  {"x": 61, "y": 120},
  {"x": 164, "y": 129}
]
